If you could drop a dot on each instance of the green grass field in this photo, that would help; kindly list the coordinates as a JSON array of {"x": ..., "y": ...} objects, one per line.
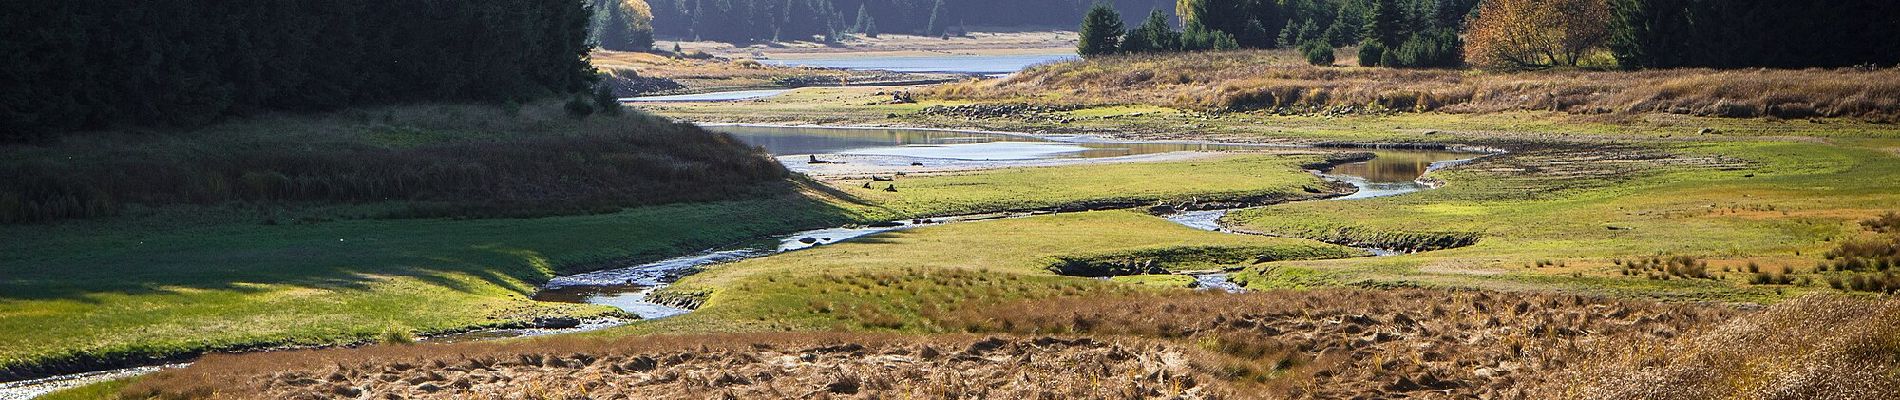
[
  {"x": 1236, "y": 177},
  {"x": 898, "y": 280},
  {"x": 112, "y": 290},
  {"x": 96, "y": 391},
  {"x": 184, "y": 279},
  {"x": 1775, "y": 204},
  {"x": 1579, "y": 191}
]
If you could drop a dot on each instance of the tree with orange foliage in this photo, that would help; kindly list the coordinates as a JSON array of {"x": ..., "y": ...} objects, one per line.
[{"x": 1535, "y": 34}]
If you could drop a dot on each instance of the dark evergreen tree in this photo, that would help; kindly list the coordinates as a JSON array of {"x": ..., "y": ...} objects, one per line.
[
  {"x": 1101, "y": 31},
  {"x": 1196, "y": 37},
  {"x": 1754, "y": 33},
  {"x": 1154, "y": 35},
  {"x": 1384, "y": 20},
  {"x": 1370, "y": 52},
  {"x": 937, "y": 20},
  {"x": 1347, "y": 21},
  {"x": 1435, "y": 49},
  {"x": 1318, "y": 53},
  {"x": 866, "y": 25},
  {"x": 1289, "y": 35},
  {"x": 72, "y": 65}
]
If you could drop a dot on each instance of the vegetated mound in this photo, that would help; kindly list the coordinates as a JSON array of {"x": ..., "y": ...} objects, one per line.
[
  {"x": 1416, "y": 343},
  {"x": 788, "y": 365},
  {"x": 440, "y": 160},
  {"x": 1277, "y": 81}
]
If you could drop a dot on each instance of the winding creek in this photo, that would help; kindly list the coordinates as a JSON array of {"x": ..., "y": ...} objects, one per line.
[{"x": 1389, "y": 173}]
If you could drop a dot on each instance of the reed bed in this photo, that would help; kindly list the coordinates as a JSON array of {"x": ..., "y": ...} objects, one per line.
[{"x": 1278, "y": 81}]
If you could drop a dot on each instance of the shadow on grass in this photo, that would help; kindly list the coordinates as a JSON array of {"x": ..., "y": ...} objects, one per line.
[{"x": 82, "y": 260}]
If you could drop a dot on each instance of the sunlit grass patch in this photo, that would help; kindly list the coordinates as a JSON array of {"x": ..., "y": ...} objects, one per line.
[
  {"x": 904, "y": 276},
  {"x": 1558, "y": 218}
]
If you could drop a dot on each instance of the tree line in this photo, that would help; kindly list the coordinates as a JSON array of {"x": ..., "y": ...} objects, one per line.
[
  {"x": 1754, "y": 33},
  {"x": 1415, "y": 33},
  {"x": 830, "y": 20},
  {"x": 74, "y": 65},
  {"x": 1522, "y": 34}
]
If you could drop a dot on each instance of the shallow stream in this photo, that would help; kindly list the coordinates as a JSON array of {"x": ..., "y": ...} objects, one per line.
[{"x": 1391, "y": 172}]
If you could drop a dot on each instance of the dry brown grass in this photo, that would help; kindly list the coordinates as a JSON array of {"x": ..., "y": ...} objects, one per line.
[
  {"x": 789, "y": 365},
  {"x": 1349, "y": 343},
  {"x": 1334, "y": 343},
  {"x": 1278, "y": 81},
  {"x": 1811, "y": 348}
]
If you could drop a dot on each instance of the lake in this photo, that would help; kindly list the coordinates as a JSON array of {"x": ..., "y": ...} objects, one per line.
[{"x": 956, "y": 64}]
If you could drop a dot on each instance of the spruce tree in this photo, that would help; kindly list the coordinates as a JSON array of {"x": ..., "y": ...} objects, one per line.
[
  {"x": 866, "y": 25},
  {"x": 937, "y": 20},
  {"x": 1154, "y": 35},
  {"x": 1290, "y": 35},
  {"x": 1383, "y": 23},
  {"x": 1101, "y": 31}
]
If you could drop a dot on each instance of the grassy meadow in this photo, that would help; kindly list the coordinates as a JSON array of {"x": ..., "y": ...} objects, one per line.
[
  {"x": 1628, "y": 216},
  {"x": 1259, "y": 177},
  {"x": 167, "y": 280},
  {"x": 1587, "y": 217},
  {"x": 897, "y": 280}
]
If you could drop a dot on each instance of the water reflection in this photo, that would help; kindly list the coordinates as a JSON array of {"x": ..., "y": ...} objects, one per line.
[
  {"x": 629, "y": 298},
  {"x": 714, "y": 96},
  {"x": 958, "y": 64},
  {"x": 1397, "y": 166},
  {"x": 926, "y": 143}
]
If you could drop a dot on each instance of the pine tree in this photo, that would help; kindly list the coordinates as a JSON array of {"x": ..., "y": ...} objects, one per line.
[
  {"x": 1309, "y": 32},
  {"x": 1383, "y": 23},
  {"x": 866, "y": 25},
  {"x": 1334, "y": 36},
  {"x": 937, "y": 20},
  {"x": 1154, "y": 35},
  {"x": 1101, "y": 31},
  {"x": 699, "y": 25},
  {"x": 1200, "y": 37},
  {"x": 1290, "y": 35},
  {"x": 1348, "y": 21}
]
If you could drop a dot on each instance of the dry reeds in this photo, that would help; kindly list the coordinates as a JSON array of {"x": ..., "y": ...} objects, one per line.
[
  {"x": 1819, "y": 347},
  {"x": 787, "y": 365},
  {"x": 1349, "y": 343},
  {"x": 1276, "y": 81}
]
